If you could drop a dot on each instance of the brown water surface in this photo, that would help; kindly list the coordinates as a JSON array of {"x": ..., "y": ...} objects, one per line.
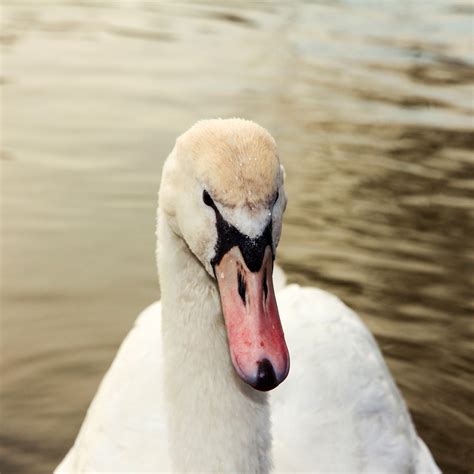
[{"x": 371, "y": 105}]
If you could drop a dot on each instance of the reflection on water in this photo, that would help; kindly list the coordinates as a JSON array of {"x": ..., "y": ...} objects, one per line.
[{"x": 372, "y": 110}]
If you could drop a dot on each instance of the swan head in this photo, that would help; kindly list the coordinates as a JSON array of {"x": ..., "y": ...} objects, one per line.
[{"x": 222, "y": 193}]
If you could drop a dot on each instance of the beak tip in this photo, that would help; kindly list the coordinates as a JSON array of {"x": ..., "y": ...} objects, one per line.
[{"x": 266, "y": 379}]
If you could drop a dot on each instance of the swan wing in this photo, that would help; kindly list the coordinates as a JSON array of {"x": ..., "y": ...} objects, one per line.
[
  {"x": 125, "y": 430},
  {"x": 339, "y": 410}
]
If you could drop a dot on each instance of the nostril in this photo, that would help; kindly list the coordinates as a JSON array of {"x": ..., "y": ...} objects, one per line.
[
  {"x": 266, "y": 378},
  {"x": 265, "y": 287},
  {"x": 242, "y": 286}
]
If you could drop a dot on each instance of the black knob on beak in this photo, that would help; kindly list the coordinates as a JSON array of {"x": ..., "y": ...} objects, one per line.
[{"x": 266, "y": 378}]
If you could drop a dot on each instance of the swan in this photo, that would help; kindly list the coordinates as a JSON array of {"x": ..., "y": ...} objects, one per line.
[{"x": 189, "y": 389}]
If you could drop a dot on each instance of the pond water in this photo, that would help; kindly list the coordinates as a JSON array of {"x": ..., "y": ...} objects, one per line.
[{"x": 371, "y": 106}]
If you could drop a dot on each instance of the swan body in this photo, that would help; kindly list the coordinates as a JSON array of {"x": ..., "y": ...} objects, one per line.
[{"x": 184, "y": 394}]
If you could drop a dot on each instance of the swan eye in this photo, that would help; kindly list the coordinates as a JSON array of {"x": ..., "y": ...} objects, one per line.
[{"x": 207, "y": 199}]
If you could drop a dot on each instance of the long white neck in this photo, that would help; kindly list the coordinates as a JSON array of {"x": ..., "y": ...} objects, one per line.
[{"x": 216, "y": 422}]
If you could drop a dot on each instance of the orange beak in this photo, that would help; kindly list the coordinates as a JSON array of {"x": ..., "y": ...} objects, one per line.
[{"x": 256, "y": 340}]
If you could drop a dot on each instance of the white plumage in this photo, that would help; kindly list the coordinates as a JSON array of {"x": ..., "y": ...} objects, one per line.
[
  {"x": 338, "y": 411},
  {"x": 171, "y": 400}
]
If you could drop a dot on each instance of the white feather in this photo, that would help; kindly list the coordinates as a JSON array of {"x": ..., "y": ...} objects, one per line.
[{"x": 338, "y": 411}]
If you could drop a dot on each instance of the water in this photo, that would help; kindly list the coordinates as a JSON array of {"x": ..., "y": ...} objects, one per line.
[{"x": 371, "y": 105}]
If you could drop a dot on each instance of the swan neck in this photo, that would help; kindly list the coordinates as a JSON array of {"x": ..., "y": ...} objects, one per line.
[{"x": 215, "y": 421}]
